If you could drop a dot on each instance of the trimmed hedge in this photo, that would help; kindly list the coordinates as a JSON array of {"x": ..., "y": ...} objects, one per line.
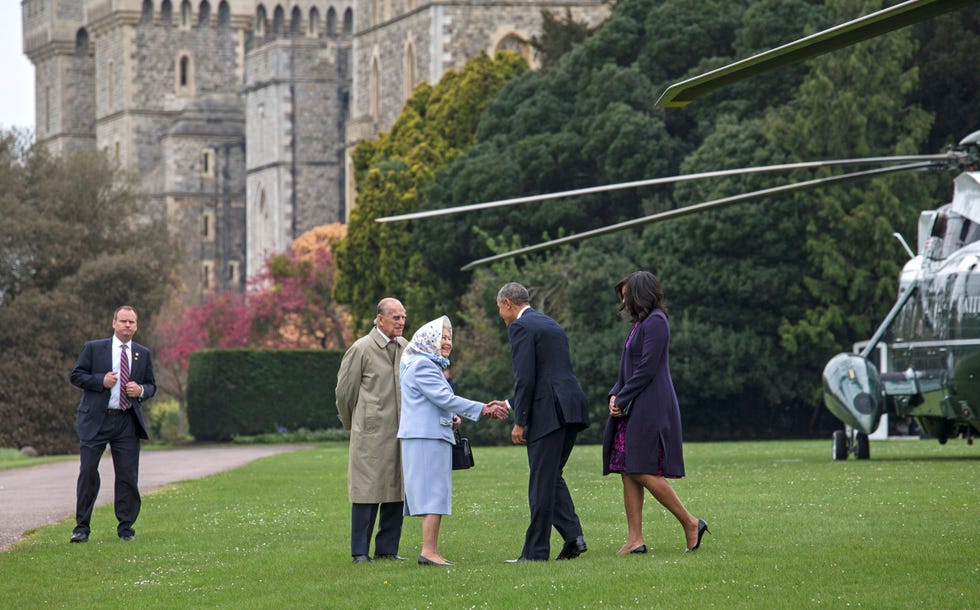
[{"x": 234, "y": 392}]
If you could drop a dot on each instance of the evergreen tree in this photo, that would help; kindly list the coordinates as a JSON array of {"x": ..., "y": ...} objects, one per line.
[{"x": 437, "y": 125}]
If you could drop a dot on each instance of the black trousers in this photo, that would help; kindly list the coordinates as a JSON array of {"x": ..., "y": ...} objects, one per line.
[
  {"x": 119, "y": 432},
  {"x": 551, "y": 503},
  {"x": 362, "y": 518}
]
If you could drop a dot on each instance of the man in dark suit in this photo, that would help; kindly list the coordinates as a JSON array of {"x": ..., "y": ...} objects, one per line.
[
  {"x": 549, "y": 411},
  {"x": 115, "y": 376}
]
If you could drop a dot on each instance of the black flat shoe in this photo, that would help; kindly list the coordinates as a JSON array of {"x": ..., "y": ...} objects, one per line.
[
  {"x": 424, "y": 561},
  {"x": 640, "y": 549},
  {"x": 702, "y": 530}
]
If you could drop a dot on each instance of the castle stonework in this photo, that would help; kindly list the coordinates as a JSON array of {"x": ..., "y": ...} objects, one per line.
[{"x": 238, "y": 116}]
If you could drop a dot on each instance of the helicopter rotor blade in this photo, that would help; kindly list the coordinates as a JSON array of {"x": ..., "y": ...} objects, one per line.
[
  {"x": 939, "y": 159},
  {"x": 700, "y": 207},
  {"x": 851, "y": 32}
]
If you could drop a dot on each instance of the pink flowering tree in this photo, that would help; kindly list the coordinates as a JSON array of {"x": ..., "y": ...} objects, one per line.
[{"x": 287, "y": 305}]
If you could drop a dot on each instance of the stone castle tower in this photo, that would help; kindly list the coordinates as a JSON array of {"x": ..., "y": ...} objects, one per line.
[{"x": 238, "y": 115}]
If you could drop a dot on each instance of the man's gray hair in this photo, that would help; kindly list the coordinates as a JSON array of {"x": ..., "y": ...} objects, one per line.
[
  {"x": 386, "y": 303},
  {"x": 516, "y": 293}
]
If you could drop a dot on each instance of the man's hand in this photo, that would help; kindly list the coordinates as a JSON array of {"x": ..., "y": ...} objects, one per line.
[
  {"x": 517, "y": 435},
  {"x": 110, "y": 379}
]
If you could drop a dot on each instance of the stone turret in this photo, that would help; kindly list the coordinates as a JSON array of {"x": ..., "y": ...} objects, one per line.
[{"x": 57, "y": 42}]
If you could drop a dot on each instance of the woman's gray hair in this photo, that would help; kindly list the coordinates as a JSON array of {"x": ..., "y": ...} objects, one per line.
[{"x": 514, "y": 292}]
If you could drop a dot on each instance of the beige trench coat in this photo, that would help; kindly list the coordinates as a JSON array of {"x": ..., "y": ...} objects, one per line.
[{"x": 369, "y": 405}]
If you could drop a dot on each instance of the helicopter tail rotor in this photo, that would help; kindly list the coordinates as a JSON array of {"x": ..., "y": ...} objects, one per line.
[{"x": 853, "y": 392}]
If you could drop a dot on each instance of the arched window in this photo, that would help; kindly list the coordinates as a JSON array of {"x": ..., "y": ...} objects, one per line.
[
  {"x": 314, "y": 27},
  {"x": 146, "y": 16},
  {"x": 185, "y": 74},
  {"x": 224, "y": 15},
  {"x": 295, "y": 21},
  {"x": 260, "y": 21},
  {"x": 513, "y": 42},
  {"x": 185, "y": 14},
  {"x": 166, "y": 12},
  {"x": 47, "y": 110},
  {"x": 278, "y": 17},
  {"x": 110, "y": 89},
  {"x": 331, "y": 22},
  {"x": 374, "y": 103},
  {"x": 408, "y": 71},
  {"x": 81, "y": 43},
  {"x": 348, "y": 21},
  {"x": 204, "y": 13}
]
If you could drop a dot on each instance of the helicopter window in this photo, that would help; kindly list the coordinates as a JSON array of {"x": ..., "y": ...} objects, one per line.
[
  {"x": 954, "y": 226},
  {"x": 970, "y": 233}
]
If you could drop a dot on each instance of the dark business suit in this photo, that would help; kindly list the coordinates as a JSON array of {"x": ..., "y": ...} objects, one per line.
[
  {"x": 122, "y": 432},
  {"x": 551, "y": 406}
]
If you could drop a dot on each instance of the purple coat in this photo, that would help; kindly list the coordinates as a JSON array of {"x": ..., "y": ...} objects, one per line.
[{"x": 653, "y": 430}]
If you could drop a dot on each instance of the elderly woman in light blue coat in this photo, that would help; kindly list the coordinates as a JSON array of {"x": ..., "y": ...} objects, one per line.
[{"x": 429, "y": 411}]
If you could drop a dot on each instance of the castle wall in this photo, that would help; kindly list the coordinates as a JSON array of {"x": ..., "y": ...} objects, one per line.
[{"x": 237, "y": 119}]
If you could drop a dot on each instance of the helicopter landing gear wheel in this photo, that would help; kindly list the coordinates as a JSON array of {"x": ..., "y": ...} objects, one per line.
[
  {"x": 863, "y": 450},
  {"x": 840, "y": 445}
]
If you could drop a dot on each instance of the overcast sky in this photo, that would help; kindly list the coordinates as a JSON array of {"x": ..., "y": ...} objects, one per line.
[{"x": 17, "y": 96}]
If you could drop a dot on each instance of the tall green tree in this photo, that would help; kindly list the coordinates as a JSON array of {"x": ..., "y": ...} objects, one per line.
[
  {"x": 392, "y": 173},
  {"x": 77, "y": 241},
  {"x": 854, "y": 103}
]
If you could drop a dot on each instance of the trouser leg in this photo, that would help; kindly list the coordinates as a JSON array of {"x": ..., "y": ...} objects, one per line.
[
  {"x": 126, "y": 463},
  {"x": 389, "y": 528},
  {"x": 362, "y": 518},
  {"x": 87, "y": 487}
]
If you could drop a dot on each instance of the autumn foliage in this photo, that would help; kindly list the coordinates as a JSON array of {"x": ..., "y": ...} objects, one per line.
[{"x": 288, "y": 305}]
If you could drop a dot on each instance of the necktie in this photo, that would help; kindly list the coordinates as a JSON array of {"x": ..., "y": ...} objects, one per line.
[
  {"x": 392, "y": 349},
  {"x": 123, "y": 377}
]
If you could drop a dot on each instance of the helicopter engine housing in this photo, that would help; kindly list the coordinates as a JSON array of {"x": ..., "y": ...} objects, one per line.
[{"x": 853, "y": 392}]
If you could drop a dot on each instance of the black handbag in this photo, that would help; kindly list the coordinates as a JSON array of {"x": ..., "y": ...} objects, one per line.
[
  {"x": 625, "y": 409},
  {"x": 462, "y": 454}
]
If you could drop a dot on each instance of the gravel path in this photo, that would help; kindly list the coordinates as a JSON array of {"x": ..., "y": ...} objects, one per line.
[{"x": 38, "y": 495}]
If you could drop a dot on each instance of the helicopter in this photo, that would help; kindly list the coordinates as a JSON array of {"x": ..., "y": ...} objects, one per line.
[{"x": 930, "y": 368}]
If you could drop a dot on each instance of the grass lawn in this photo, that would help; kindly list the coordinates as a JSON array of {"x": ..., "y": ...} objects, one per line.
[{"x": 790, "y": 529}]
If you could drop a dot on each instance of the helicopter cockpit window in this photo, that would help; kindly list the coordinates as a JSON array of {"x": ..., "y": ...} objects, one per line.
[
  {"x": 935, "y": 244},
  {"x": 959, "y": 232}
]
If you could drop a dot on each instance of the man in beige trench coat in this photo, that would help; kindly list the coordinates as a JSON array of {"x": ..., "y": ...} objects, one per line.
[{"x": 369, "y": 404}]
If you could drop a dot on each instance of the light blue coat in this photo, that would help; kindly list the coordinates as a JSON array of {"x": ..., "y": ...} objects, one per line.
[{"x": 428, "y": 403}]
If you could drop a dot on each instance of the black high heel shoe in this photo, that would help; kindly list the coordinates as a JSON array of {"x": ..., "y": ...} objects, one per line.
[{"x": 702, "y": 530}]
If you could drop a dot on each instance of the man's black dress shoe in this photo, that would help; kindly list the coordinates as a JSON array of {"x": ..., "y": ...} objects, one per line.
[
  {"x": 702, "y": 530},
  {"x": 425, "y": 561},
  {"x": 361, "y": 559},
  {"x": 79, "y": 537},
  {"x": 128, "y": 538},
  {"x": 390, "y": 556},
  {"x": 573, "y": 548},
  {"x": 522, "y": 560}
]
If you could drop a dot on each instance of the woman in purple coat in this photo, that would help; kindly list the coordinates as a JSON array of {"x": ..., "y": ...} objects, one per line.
[{"x": 642, "y": 439}]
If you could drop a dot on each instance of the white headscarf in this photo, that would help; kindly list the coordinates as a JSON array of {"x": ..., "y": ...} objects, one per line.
[{"x": 426, "y": 343}]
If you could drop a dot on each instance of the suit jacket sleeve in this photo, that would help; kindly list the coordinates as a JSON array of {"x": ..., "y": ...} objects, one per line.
[
  {"x": 433, "y": 385},
  {"x": 523, "y": 358},
  {"x": 83, "y": 374},
  {"x": 146, "y": 378}
]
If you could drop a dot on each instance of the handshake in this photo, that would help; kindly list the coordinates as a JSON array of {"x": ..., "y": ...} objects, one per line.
[{"x": 496, "y": 409}]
